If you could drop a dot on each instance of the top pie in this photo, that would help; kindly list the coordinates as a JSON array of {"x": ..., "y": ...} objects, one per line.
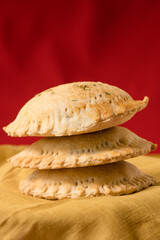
[{"x": 74, "y": 108}]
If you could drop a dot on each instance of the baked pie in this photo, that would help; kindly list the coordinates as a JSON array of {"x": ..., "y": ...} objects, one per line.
[
  {"x": 74, "y": 108},
  {"x": 106, "y": 146},
  {"x": 110, "y": 179}
]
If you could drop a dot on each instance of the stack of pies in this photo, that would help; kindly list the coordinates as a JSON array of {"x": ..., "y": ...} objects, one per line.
[{"x": 83, "y": 150}]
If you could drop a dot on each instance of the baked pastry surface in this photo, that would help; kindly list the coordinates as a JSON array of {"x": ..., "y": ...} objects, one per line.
[
  {"x": 110, "y": 179},
  {"x": 74, "y": 108},
  {"x": 106, "y": 146}
]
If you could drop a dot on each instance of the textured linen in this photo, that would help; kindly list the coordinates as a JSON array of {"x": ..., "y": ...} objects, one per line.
[{"x": 134, "y": 216}]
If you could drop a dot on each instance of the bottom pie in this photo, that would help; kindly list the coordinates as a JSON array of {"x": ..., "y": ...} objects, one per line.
[{"x": 110, "y": 179}]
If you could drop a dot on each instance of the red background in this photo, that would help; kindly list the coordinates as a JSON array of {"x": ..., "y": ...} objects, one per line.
[{"x": 46, "y": 43}]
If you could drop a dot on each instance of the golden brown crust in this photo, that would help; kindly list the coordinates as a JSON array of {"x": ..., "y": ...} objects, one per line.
[
  {"x": 110, "y": 145},
  {"x": 110, "y": 179},
  {"x": 74, "y": 108}
]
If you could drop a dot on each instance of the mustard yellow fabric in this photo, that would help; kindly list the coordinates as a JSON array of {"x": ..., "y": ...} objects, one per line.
[{"x": 135, "y": 216}]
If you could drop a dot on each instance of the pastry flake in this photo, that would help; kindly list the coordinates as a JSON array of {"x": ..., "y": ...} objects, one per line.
[{"x": 74, "y": 108}]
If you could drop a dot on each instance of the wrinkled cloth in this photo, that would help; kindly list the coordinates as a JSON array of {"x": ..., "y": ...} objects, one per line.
[{"x": 127, "y": 217}]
